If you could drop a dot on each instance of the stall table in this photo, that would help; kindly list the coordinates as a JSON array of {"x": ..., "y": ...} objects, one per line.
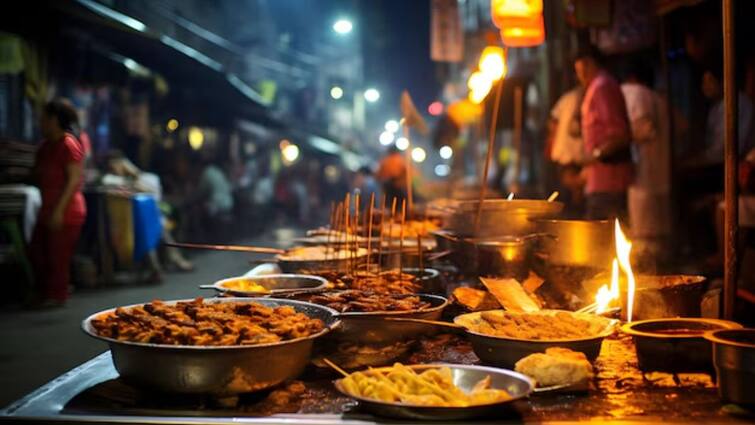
[{"x": 620, "y": 393}]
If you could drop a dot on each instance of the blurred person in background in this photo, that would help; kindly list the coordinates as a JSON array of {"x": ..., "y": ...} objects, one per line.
[
  {"x": 392, "y": 175},
  {"x": 214, "y": 194},
  {"x": 605, "y": 132},
  {"x": 567, "y": 149},
  {"x": 366, "y": 185},
  {"x": 58, "y": 171},
  {"x": 650, "y": 194},
  {"x": 123, "y": 173}
]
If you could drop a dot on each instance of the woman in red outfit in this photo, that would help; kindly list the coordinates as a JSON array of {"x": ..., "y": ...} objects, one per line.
[{"x": 58, "y": 169}]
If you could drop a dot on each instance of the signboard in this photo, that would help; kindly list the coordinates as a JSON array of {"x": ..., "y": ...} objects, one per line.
[{"x": 446, "y": 35}]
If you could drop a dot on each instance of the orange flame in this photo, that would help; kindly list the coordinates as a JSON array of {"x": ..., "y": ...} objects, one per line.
[{"x": 606, "y": 294}]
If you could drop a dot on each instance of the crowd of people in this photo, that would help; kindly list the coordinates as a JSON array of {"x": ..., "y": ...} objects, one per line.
[{"x": 610, "y": 141}]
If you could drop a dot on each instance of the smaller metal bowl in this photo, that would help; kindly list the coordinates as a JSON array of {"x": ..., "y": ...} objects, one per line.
[
  {"x": 674, "y": 345},
  {"x": 734, "y": 360},
  {"x": 274, "y": 284},
  {"x": 464, "y": 377}
]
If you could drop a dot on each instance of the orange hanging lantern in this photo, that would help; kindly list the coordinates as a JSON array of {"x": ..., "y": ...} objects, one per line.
[{"x": 520, "y": 21}]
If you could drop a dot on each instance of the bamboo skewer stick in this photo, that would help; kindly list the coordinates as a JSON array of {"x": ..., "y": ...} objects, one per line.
[
  {"x": 380, "y": 240},
  {"x": 488, "y": 158},
  {"x": 419, "y": 252},
  {"x": 355, "y": 239},
  {"x": 346, "y": 217},
  {"x": 334, "y": 367},
  {"x": 390, "y": 225},
  {"x": 369, "y": 230},
  {"x": 408, "y": 160},
  {"x": 337, "y": 229},
  {"x": 236, "y": 248},
  {"x": 401, "y": 239},
  {"x": 331, "y": 230}
]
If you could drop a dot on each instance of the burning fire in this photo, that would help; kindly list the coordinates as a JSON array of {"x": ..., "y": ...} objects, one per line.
[{"x": 607, "y": 294}]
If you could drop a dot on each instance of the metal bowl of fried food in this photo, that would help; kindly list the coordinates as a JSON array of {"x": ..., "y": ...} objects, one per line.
[
  {"x": 321, "y": 258},
  {"x": 675, "y": 345},
  {"x": 272, "y": 285},
  {"x": 362, "y": 314},
  {"x": 195, "y": 355},
  {"x": 464, "y": 378},
  {"x": 501, "y": 338}
]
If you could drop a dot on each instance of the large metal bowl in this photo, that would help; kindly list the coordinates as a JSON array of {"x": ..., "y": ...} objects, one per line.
[
  {"x": 505, "y": 352},
  {"x": 734, "y": 360},
  {"x": 464, "y": 377},
  {"x": 217, "y": 370},
  {"x": 674, "y": 345},
  {"x": 274, "y": 284},
  {"x": 501, "y": 217}
]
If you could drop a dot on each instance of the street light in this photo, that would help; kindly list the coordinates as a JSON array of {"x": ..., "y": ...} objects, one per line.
[
  {"x": 418, "y": 154},
  {"x": 386, "y": 138},
  {"x": 391, "y": 125},
  {"x": 371, "y": 95},
  {"x": 402, "y": 143},
  {"x": 446, "y": 152},
  {"x": 343, "y": 26},
  {"x": 336, "y": 92}
]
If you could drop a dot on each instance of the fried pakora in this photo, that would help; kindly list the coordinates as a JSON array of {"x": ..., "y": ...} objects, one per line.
[{"x": 205, "y": 324}]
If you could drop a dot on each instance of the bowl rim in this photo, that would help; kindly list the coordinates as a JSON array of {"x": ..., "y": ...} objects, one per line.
[
  {"x": 609, "y": 328},
  {"x": 86, "y": 326},
  {"x": 493, "y": 370},
  {"x": 218, "y": 285},
  {"x": 715, "y": 337},
  {"x": 629, "y": 329}
]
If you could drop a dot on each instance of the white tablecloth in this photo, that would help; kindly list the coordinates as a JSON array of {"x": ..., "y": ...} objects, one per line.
[{"x": 31, "y": 204}]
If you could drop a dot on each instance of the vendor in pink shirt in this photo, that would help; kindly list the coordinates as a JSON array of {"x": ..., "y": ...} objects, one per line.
[{"x": 606, "y": 136}]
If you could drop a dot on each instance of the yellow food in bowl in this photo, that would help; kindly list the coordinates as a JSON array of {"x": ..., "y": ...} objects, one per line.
[
  {"x": 245, "y": 285},
  {"x": 431, "y": 387}
]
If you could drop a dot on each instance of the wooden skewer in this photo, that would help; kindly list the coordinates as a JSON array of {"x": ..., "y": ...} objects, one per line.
[
  {"x": 369, "y": 230},
  {"x": 336, "y": 230},
  {"x": 380, "y": 240},
  {"x": 346, "y": 218},
  {"x": 419, "y": 252},
  {"x": 355, "y": 247},
  {"x": 335, "y": 367},
  {"x": 329, "y": 237},
  {"x": 488, "y": 157},
  {"x": 553, "y": 196},
  {"x": 401, "y": 239},
  {"x": 390, "y": 224},
  {"x": 235, "y": 248}
]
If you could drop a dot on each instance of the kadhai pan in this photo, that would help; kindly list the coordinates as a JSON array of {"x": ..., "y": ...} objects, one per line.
[
  {"x": 217, "y": 370},
  {"x": 505, "y": 351}
]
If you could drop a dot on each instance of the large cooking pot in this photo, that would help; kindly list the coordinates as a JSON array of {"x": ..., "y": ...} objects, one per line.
[
  {"x": 501, "y": 217},
  {"x": 506, "y": 256},
  {"x": 577, "y": 243}
]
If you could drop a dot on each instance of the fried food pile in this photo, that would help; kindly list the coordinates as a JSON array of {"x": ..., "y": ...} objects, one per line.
[
  {"x": 359, "y": 301},
  {"x": 538, "y": 327},
  {"x": 431, "y": 387},
  {"x": 387, "y": 282},
  {"x": 390, "y": 282},
  {"x": 207, "y": 324},
  {"x": 557, "y": 366}
]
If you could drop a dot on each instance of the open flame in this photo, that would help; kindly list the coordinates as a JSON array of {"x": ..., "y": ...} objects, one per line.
[{"x": 606, "y": 294}]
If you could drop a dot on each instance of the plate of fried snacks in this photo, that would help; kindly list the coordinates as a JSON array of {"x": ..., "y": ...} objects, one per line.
[
  {"x": 557, "y": 369},
  {"x": 435, "y": 391}
]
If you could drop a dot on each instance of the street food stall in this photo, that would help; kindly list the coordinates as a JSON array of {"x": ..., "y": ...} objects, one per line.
[
  {"x": 529, "y": 331},
  {"x": 493, "y": 310}
]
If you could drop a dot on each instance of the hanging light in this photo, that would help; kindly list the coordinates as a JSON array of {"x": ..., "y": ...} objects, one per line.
[
  {"x": 418, "y": 154},
  {"x": 446, "y": 152},
  {"x": 493, "y": 63},
  {"x": 402, "y": 143},
  {"x": 520, "y": 21},
  {"x": 196, "y": 138},
  {"x": 479, "y": 86}
]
